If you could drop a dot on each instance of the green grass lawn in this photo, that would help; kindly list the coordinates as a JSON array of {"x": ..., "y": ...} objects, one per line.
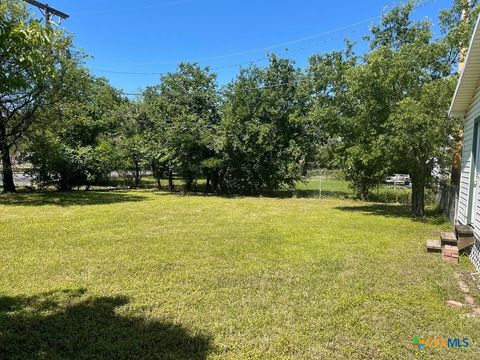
[
  {"x": 146, "y": 274},
  {"x": 329, "y": 186}
]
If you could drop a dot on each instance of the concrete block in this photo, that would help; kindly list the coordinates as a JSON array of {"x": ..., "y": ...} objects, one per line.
[
  {"x": 448, "y": 238},
  {"x": 434, "y": 246}
]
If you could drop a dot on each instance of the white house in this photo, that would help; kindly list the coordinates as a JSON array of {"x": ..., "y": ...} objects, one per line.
[{"x": 466, "y": 106}]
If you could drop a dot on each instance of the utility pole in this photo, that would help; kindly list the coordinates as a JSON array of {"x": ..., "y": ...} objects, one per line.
[{"x": 48, "y": 11}]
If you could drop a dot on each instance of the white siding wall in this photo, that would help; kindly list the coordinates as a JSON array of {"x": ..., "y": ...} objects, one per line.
[
  {"x": 463, "y": 200},
  {"x": 462, "y": 213}
]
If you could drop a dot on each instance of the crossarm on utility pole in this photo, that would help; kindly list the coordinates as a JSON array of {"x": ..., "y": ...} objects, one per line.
[{"x": 48, "y": 10}]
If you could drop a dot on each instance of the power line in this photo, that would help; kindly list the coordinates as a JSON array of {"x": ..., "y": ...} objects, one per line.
[
  {"x": 240, "y": 64},
  {"x": 420, "y": 3},
  {"x": 267, "y": 48},
  {"x": 246, "y": 52}
]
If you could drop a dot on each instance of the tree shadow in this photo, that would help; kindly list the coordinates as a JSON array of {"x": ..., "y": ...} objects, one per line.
[
  {"x": 432, "y": 216},
  {"x": 72, "y": 198},
  {"x": 69, "y": 324}
]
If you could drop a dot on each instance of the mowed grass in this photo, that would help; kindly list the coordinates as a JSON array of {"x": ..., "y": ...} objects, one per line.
[
  {"x": 330, "y": 186},
  {"x": 145, "y": 274}
]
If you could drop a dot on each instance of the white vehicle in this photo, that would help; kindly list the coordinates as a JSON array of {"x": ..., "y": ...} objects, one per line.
[{"x": 399, "y": 180}]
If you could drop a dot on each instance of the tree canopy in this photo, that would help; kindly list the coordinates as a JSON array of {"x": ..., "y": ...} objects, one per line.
[
  {"x": 33, "y": 61},
  {"x": 370, "y": 114}
]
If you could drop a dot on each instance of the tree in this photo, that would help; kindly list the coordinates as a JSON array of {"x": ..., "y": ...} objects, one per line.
[
  {"x": 419, "y": 136},
  {"x": 348, "y": 108},
  {"x": 132, "y": 139},
  {"x": 184, "y": 111},
  {"x": 264, "y": 137},
  {"x": 72, "y": 142},
  {"x": 159, "y": 152},
  {"x": 376, "y": 101},
  {"x": 31, "y": 61}
]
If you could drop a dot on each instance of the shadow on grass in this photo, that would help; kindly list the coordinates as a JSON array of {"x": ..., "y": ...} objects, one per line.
[
  {"x": 397, "y": 211},
  {"x": 68, "y": 198},
  {"x": 71, "y": 325}
]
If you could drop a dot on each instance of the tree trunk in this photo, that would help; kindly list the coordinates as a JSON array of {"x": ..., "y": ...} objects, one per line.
[
  {"x": 456, "y": 172},
  {"x": 363, "y": 191},
  {"x": 170, "y": 181},
  {"x": 8, "y": 184},
  {"x": 418, "y": 196},
  {"x": 188, "y": 184},
  {"x": 208, "y": 188},
  {"x": 220, "y": 186},
  {"x": 215, "y": 182},
  {"x": 455, "y": 178},
  {"x": 65, "y": 183},
  {"x": 157, "y": 175},
  {"x": 137, "y": 174}
]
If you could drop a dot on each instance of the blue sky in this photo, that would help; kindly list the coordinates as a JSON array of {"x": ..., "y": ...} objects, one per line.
[{"x": 152, "y": 36}]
